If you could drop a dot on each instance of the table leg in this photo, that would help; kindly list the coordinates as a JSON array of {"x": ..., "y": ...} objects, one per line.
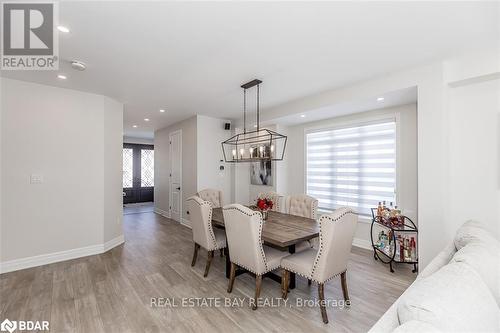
[{"x": 291, "y": 249}]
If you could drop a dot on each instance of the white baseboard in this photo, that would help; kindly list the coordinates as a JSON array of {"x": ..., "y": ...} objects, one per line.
[
  {"x": 162, "y": 212},
  {"x": 186, "y": 223},
  {"x": 113, "y": 243},
  {"x": 362, "y": 243},
  {"x": 50, "y": 258}
]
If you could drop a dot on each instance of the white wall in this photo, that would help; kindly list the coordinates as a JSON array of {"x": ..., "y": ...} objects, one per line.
[
  {"x": 113, "y": 170},
  {"x": 473, "y": 151},
  {"x": 210, "y": 135},
  {"x": 77, "y": 207},
  {"x": 162, "y": 164}
]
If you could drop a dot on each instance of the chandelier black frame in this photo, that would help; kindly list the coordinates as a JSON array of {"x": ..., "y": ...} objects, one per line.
[{"x": 254, "y": 146}]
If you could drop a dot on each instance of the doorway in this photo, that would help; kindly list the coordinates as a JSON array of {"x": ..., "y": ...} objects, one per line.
[
  {"x": 176, "y": 175},
  {"x": 138, "y": 173}
]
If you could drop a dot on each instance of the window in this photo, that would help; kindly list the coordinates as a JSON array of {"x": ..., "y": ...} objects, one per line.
[
  {"x": 353, "y": 166},
  {"x": 147, "y": 168},
  {"x": 128, "y": 162}
]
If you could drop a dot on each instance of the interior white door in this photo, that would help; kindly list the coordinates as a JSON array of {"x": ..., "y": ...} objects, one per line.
[{"x": 176, "y": 175}]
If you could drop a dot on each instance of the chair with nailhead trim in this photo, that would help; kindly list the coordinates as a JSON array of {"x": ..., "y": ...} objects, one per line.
[
  {"x": 305, "y": 206},
  {"x": 275, "y": 198},
  {"x": 212, "y": 196},
  {"x": 336, "y": 232},
  {"x": 203, "y": 234},
  {"x": 244, "y": 236}
]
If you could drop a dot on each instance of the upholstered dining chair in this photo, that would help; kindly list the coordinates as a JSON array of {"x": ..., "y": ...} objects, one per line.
[
  {"x": 204, "y": 235},
  {"x": 302, "y": 205},
  {"x": 276, "y": 198},
  {"x": 244, "y": 236},
  {"x": 305, "y": 206},
  {"x": 212, "y": 196},
  {"x": 330, "y": 260}
]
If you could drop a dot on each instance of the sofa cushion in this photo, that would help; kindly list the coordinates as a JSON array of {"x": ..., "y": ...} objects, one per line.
[
  {"x": 416, "y": 326},
  {"x": 455, "y": 298},
  {"x": 474, "y": 232},
  {"x": 485, "y": 262}
]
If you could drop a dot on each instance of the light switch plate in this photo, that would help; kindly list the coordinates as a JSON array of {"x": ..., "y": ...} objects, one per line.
[{"x": 36, "y": 179}]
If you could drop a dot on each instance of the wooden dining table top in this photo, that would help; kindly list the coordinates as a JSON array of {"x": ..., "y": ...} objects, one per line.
[{"x": 280, "y": 229}]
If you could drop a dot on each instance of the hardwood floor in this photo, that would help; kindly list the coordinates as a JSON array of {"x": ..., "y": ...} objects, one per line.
[{"x": 112, "y": 292}]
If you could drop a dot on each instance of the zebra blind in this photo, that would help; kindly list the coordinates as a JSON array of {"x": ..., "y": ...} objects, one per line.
[{"x": 354, "y": 166}]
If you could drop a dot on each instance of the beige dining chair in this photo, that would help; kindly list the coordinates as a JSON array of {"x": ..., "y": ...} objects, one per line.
[
  {"x": 276, "y": 198},
  {"x": 204, "y": 235},
  {"x": 213, "y": 196},
  {"x": 336, "y": 232},
  {"x": 302, "y": 205},
  {"x": 305, "y": 206},
  {"x": 244, "y": 236}
]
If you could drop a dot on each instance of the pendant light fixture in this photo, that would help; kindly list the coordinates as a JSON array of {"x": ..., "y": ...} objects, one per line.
[{"x": 261, "y": 144}]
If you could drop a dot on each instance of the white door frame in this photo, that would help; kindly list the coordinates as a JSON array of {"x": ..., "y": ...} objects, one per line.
[{"x": 170, "y": 173}]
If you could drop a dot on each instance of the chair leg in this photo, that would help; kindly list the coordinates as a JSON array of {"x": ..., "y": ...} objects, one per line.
[
  {"x": 343, "y": 279},
  {"x": 321, "y": 292},
  {"x": 195, "y": 254},
  {"x": 221, "y": 253},
  {"x": 209, "y": 261},
  {"x": 258, "y": 285},
  {"x": 285, "y": 280},
  {"x": 231, "y": 278}
]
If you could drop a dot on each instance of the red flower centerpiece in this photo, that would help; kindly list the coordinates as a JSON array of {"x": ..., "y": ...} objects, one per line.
[{"x": 264, "y": 204}]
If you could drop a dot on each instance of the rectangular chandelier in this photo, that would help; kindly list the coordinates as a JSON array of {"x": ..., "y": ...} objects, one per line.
[{"x": 259, "y": 145}]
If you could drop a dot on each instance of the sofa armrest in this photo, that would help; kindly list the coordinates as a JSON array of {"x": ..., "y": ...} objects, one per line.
[{"x": 390, "y": 321}]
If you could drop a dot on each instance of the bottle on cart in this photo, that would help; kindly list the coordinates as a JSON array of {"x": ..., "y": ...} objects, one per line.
[
  {"x": 397, "y": 246},
  {"x": 413, "y": 249},
  {"x": 379, "y": 209},
  {"x": 407, "y": 249},
  {"x": 401, "y": 248}
]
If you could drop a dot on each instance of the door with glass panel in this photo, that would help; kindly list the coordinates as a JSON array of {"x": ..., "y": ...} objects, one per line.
[{"x": 138, "y": 173}]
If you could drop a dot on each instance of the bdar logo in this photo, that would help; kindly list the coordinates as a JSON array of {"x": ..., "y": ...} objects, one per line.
[{"x": 8, "y": 325}]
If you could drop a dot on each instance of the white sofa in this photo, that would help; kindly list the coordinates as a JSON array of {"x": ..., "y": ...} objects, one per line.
[{"x": 459, "y": 291}]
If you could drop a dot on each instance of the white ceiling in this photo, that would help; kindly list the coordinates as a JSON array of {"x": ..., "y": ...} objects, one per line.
[
  {"x": 390, "y": 99},
  {"x": 191, "y": 57}
]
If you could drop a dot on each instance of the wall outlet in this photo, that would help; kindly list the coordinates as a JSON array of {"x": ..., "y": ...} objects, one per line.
[{"x": 36, "y": 179}]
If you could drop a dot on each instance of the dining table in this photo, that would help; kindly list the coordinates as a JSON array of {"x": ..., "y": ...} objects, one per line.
[{"x": 280, "y": 230}]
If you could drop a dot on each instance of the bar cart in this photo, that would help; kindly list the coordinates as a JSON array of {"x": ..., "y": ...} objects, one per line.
[{"x": 388, "y": 253}]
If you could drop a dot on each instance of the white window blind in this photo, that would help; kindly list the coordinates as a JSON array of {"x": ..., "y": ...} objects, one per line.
[{"x": 354, "y": 166}]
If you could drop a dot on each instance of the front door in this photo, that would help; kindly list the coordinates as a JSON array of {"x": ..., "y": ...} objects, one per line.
[
  {"x": 138, "y": 173},
  {"x": 176, "y": 175}
]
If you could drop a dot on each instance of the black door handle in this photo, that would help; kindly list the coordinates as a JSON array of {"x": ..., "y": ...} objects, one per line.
[{"x": 179, "y": 188}]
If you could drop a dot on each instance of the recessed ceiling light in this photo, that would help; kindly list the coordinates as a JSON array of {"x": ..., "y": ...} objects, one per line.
[
  {"x": 302, "y": 116},
  {"x": 62, "y": 77},
  {"x": 134, "y": 126},
  {"x": 62, "y": 28},
  {"x": 162, "y": 110},
  {"x": 146, "y": 119},
  {"x": 380, "y": 99}
]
